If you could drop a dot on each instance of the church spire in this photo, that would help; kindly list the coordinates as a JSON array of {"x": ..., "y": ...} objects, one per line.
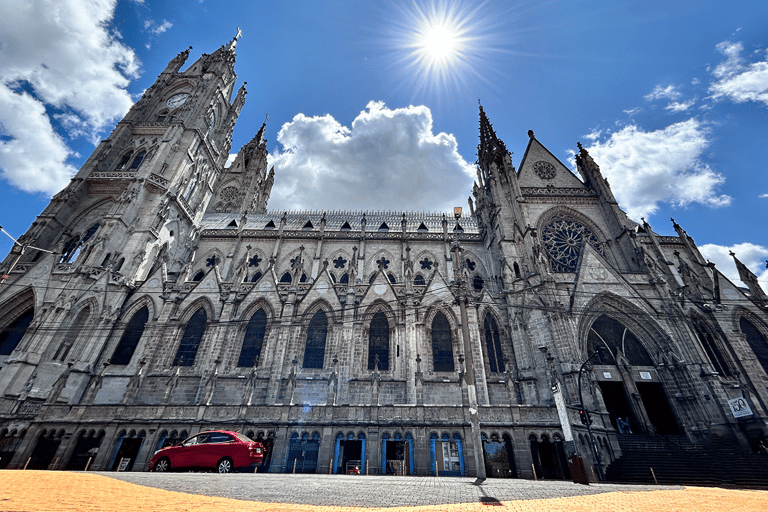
[
  {"x": 750, "y": 279},
  {"x": 491, "y": 148}
]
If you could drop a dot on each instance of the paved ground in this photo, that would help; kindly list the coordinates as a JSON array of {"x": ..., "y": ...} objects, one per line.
[{"x": 59, "y": 491}]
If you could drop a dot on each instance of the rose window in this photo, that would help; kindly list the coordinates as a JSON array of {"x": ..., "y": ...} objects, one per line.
[{"x": 563, "y": 238}]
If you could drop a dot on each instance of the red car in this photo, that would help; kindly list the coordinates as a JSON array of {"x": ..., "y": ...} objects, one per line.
[{"x": 221, "y": 450}]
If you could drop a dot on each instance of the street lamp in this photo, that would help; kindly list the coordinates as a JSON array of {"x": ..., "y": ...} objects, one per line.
[{"x": 588, "y": 422}]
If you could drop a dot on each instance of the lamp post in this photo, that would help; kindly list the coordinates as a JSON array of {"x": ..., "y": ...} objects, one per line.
[
  {"x": 474, "y": 417},
  {"x": 595, "y": 451}
]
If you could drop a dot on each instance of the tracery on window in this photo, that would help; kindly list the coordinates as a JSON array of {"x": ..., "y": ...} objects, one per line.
[
  {"x": 137, "y": 161},
  {"x": 609, "y": 337},
  {"x": 72, "y": 335},
  {"x": 254, "y": 339},
  {"x": 378, "y": 342},
  {"x": 314, "y": 353},
  {"x": 190, "y": 341},
  {"x": 563, "y": 239},
  {"x": 442, "y": 344},
  {"x": 130, "y": 338},
  {"x": 711, "y": 347}
]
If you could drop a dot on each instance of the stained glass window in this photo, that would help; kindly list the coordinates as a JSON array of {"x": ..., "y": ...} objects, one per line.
[
  {"x": 254, "y": 339},
  {"x": 190, "y": 342},
  {"x": 442, "y": 344},
  {"x": 493, "y": 344},
  {"x": 130, "y": 338},
  {"x": 378, "y": 342},
  {"x": 563, "y": 239},
  {"x": 314, "y": 354}
]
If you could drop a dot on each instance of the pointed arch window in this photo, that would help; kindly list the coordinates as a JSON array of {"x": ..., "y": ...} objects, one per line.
[
  {"x": 12, "y": 334},
  {"x": 137, "y": 161},
  {"x": 124, "y": 161},
  {"x": 314, "y": 353},
  {"x": 478, "y": 283},
  {"x": 72, "y": 335},
  {"x": 130, "y": 338},
  {"x": 344, "y": 279},
  {"x": 711, "y": 347},
  {"x": 255, "y": 277},
  {"x": 493, "y": 344},
  {"x": 442, "y": 344},
  {"x": 199, "y": 276},
  {"x": 419, "y": 279},
  {"x": 378, "y": 342},
  {"x": 190, "y": 342},
  {"x": 756, "y": 341},
  {"x": 286, "y": 278},
  {"x": 614, "y": 336},
  {"x": 254, "y": 339},
  {"x": 72, "y": 247}
]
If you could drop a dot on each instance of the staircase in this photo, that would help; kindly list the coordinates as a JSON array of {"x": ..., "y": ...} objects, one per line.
[{"x": 677, "y": 461}]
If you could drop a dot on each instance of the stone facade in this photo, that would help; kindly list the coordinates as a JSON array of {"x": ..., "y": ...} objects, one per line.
[{"x": 157, "y": 296}]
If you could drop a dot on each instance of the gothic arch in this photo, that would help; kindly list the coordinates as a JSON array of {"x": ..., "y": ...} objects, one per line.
[
  {"x": 570, "y": 253},
  {"x": 429, "y": 265},
  {"x": 756, "y": 334},
  {"x": 333, "y": 261},
  {"x": 712, "y": 344},
  {"x": 493, "y": 360},
  {"x": 64, "y": 350},
  {"x": 15, "y": 319},
  {"x": 134, "y": 327},
  {"x": 446, "y": 361},
  {"x": 253, "y": 307},
  {"x": 311, "y": 335},
  {"x": 191, "y": 309},
  {"x": 651, "y": 337},
  {"x": 393, "y": 264},
  {"x": 374, "y": 312}
]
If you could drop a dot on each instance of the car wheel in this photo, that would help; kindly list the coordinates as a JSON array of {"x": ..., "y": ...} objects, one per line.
[
  {"x": 163, "y": 465},
  {"x": 224, "y": 466}
]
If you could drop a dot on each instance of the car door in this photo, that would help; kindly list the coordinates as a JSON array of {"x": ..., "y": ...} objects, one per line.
[
  {"x": 189, "y": 454},
  {"x": 220, "y": 446}
]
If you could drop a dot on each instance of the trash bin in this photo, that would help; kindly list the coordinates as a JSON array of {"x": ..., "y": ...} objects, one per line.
[{"x": 578, "y": 471}]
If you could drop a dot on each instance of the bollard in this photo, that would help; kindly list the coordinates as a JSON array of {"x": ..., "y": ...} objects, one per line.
[
  {"x": 27, "y": 464},
  {"x": 366, "y": 467},
  {"x": 654, "y": 476},
  {"x": 88, "y": 464},
  {"x": 330, "y": 468},
  {"x": 534, "y": 472},
  {"x": 437, "y": 469},
  {"x": 294, "y": 466}
]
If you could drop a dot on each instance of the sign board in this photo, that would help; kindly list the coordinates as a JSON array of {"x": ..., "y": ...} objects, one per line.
[
  {"x": 124, "y": 464},
  {"x": 740, "y": 407},
  {"x": 646, "y": 375}
]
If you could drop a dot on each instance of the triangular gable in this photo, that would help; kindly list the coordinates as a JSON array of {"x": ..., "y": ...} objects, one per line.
[
  {"x": 380, "y": 288},
  {"x": 264, "y": 289},
  {"x": 208, "y": 283},
  {"x": 437, "y": 290},
  {"x": 321, "y": 289},
  {"x": 538, "y": 164}
]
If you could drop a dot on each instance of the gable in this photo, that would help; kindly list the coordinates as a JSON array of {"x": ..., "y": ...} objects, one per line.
[{"x": 540, "y": 168}]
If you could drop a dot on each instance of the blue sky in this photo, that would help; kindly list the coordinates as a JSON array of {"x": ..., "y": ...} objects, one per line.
[{"x": 671, "y": 99}]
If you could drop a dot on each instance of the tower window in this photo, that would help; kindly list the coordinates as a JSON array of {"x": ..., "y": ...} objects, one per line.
[
  {"x": 124, "y": 161},
  {"x": 493, "y": 344},
  {"x": 137, "y": 161}
]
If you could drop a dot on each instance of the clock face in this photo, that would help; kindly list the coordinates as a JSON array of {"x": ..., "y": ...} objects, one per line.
[{"x": 177, "y": 100}]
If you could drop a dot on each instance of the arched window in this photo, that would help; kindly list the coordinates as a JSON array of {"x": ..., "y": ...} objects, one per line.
[
  {"x": 255, "y": 277},
  {"x": 73, "y": 245},
  {"x": 756, "y": 341},
  {"x": 493, "y": 344},
  {"x": 344, "y": 279},
  {"x": 130, "y": 338},
  {"x": 711, "y": 347},
  {"x": 516, "y": 268},
  {"x": 391, "y": 278},
  {"x": 478, "y": 283},
  {"x": 611, "y": 334},
  {"x": 124, "y": 161},
  {"x": 378, "y": 342},
  {"x": 442, "y": 344},
  {"x": 190, "y": 342},
  {"x": 137, "y": 161},
  {"x": 199, "y": 276},
  {"x": 254, "y": 339},
  {"x": 12, "y": 334},
  {"x": 286, "y": 278},
  {"x": 314, "y": 353},
  {"x": 72, "y": 334},
  {"x": 419, "y": 279}
]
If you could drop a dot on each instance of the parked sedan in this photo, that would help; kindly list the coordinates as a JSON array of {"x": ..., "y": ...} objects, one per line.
[{"x": 221, "y": 450}]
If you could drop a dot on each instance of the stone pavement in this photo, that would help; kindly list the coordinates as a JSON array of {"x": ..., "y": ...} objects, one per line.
[{"x": 33, "y": 491}]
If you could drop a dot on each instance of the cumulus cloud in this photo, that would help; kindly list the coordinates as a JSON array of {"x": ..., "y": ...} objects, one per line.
[
  {"x": 388, "y": 159},
  {"x": 57, "y": 54},
  {"x": 669, "y": 92},
  {"x": 153, "y": 27},
  {"x": 751, "y": 255},
  {"x": 661, "y": 166},
  {"x": 739, "y": 82},
  {"x": 679, "y": 106}
]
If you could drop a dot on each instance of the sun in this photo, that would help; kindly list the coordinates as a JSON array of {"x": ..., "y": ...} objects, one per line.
[{"x": 439, "y": 44}]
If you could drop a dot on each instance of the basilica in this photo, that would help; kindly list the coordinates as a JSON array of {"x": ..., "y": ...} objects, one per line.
[{"x": 158, "y": 296}]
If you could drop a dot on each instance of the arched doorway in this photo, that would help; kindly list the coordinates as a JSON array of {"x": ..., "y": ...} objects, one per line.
[
  {"x": 549, "y": 458},
  {"x": 628, "y": 379},
  {"x": 126, "y": 449},
  {"x": 45, "y": 449},
  {"x": 302, "y": 453},
  {"x": 349, "y": 454},
  {"x": 85, "y": 451},
  {"x": 499, "y": 457},
  {"x": 397, "y": 455}
]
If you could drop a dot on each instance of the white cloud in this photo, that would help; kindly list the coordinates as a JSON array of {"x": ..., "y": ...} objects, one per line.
[
  {"x": 679, "y": 106},
  {"x": 669, "y": 92},
  {"x": 388, "y": 159},
  {"x": 62, "y": 53},
  {"x": 152, "y": 26},
  {"x": 763, "y": 195},
  {"x": 751, "y": 255},
  {"x": 662, "y": 166},
  {"x": 738, "y": 82}
]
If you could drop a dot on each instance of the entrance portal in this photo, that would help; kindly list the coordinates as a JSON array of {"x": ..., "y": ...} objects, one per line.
[
  {"x": 657, "y": 407},
  {"x": 499, "y": 458},
  {"x": 350, "y": 457},
  {"x": 126, "y": 453},
  {"x": 302, "y": 453},
  {"x": 617, "y": 404}
]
